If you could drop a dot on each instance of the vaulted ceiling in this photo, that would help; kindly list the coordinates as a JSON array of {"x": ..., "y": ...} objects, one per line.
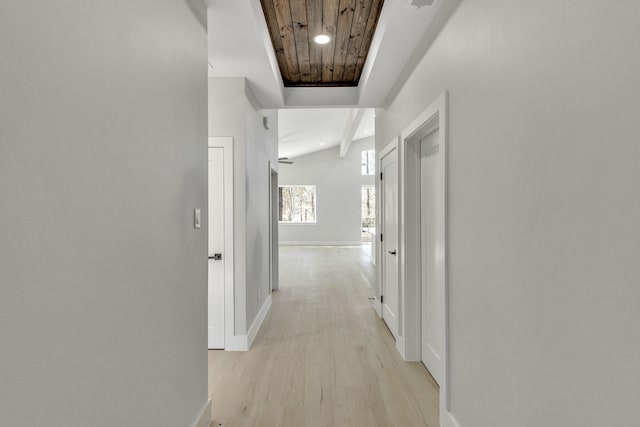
[{"x": 349, "y": 25}]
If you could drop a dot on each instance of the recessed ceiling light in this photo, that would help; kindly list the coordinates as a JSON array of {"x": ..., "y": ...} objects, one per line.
[
  {"x": 322, "y": 39},
  {"x": 322, "y": 144}
]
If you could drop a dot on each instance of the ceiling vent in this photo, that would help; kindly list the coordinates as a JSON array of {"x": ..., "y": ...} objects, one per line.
[{"x": 420, "y": 3}]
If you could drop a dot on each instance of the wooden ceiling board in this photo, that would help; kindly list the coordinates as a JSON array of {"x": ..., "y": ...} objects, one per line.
[
  {"x": 301, "y": 35},
  {"x": 284, "y": 29},
  {"x": 270, "y": 15},
  {"x": 293, "y": 24},
  {"x": 330, "y": 26},
  {"x": 372, "y": 22},
  {"x": 343, "y": 36},
  {"x": 358, "y": 27},
  {"x": 314, "y": 13}
]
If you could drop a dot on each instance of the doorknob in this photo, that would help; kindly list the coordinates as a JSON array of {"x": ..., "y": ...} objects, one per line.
[
  {"x": 393, "y": 252},
  {"x": 216, "y": 257}
]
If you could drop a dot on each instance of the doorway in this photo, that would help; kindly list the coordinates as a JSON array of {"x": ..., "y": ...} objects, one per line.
[
  {"x": 431, "y": 274},
  {"x": 389, "y": 291},
  {"x": 220, "y": 322},
  {"x": 424, "y": 286}
]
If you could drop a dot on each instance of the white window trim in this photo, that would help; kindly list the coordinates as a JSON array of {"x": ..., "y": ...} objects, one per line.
[{"x": 316, "y": 210}]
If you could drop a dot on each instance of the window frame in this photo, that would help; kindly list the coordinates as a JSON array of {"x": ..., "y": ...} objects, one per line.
[
  {"x": 315, "y": 207},
  {"x": 371, "y": 156}
]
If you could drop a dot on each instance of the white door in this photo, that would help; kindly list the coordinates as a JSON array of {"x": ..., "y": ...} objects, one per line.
[
  {"x": 432, "y": 201},
  {"x": 389, "y": 244},
  {"x": 216, "y": 247}
]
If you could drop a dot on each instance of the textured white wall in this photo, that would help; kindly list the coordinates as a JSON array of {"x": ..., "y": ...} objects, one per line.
[
  {"x": 103, "y": 136},
  {"x": 262, "y": 148},
  {"x": 544, "y": 207},
  {"x": 227, "y": 111},
  {"x": 233, "y": 112},
  {"x": 338, "y": 189}
]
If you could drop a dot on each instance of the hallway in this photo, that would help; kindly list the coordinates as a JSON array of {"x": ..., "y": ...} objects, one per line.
[{"x": 322, "y": 356}]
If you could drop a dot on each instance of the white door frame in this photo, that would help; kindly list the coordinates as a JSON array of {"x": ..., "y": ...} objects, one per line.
[
  {"x": 273, "y": 229},
  {"x": 377, "y": 304},
  {"x": 432, "y": 119},
  {"x": 226, "y": 143}
]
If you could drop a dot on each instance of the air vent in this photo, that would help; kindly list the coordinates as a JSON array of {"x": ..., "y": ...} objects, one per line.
[{"x": 420, "y": 3}]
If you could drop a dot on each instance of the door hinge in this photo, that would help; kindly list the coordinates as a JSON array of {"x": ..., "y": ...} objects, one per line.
[
  {"x": 381, "y": 237},
  {"x": 380, "y": 176},
  {"x": 381, "y": 299}
]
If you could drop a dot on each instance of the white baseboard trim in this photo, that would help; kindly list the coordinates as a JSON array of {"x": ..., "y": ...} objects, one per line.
[
  {"x": 236, "y": 343},
  {"x": 321, "y": 243},
  {"x": 205, "y": 418},
  {"x": 377, "y": 307},
  {"x": 257, "y": 323},
  {"x": 244, "y": 342},
  {"x": 400, "y": 346},
  {"x": 449, "y": 421}
]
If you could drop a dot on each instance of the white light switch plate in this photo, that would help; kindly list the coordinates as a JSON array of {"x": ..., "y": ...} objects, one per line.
[{"x": 197, "y": 219}]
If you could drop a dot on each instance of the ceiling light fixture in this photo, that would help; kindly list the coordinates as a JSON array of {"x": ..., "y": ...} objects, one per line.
[{"x": 322, "y": 39}]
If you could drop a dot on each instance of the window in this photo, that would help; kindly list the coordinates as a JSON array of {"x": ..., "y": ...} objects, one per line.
[
  {"x": 297, "y": 203},
  {"x": 368, "y": 206},
  {"x": 368, "y": 162}
]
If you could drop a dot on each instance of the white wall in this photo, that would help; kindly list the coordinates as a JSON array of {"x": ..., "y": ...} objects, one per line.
[
  {"x": 227, "y": 110},
  {"x": 262, "y": 148},
  {"x": 338, "y": 189},
  {"x": 234, "y": 112},
  {"x": 103, "y": 136},
  {"x": 544, "y": 206}
]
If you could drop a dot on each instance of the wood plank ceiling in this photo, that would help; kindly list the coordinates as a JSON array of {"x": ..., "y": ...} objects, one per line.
[{"x": 293, "y": 24}]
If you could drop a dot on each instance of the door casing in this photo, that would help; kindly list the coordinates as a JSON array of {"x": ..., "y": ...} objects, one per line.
[
  {"x": 435, "y": 117},
  {"x": 273, "y": 227}
]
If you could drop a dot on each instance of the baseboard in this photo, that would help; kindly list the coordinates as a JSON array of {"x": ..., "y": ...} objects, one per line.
[
  {"x": 377, "y": 307},
  {"x": 400, "y": 346},
  {"x": 244, "y": 342},
  {"x": 449, "y": 421},
  {"x": 257, "y": 323},
  {"x": 236, "y": 343},
  {"x": 205, "y": 418},
  {"x": 321, "y": 243}
]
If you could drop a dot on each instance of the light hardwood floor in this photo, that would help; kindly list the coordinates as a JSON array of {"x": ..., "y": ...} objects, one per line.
[{"x": 322, "y": 356}]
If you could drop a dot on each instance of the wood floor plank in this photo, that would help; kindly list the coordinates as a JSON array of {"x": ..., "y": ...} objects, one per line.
[{"x": 322, "y": 357}]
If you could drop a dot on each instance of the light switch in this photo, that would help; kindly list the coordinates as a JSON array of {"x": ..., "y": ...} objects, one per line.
[{"x": 197, "y": 219}]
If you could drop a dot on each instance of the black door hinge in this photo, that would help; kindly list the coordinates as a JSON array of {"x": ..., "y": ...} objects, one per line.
[
  {"x": 380, "y": 176},
  {"x": 381, "y": 237},
  {"x": 381, "y": 299}
]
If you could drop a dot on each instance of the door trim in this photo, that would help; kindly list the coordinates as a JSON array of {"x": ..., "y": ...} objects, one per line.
[
  {"x": 226, "y": 142},
  {"x": 273, "y": 229},
  {"x": 435, "y": 117}
]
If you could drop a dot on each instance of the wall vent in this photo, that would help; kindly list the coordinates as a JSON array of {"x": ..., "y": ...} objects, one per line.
[{"x": 420, "y": 3}]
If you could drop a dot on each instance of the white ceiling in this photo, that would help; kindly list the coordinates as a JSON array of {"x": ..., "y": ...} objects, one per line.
[
  {"x": 239, "y": 46},
  {"x": 303, "y": 131}
]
